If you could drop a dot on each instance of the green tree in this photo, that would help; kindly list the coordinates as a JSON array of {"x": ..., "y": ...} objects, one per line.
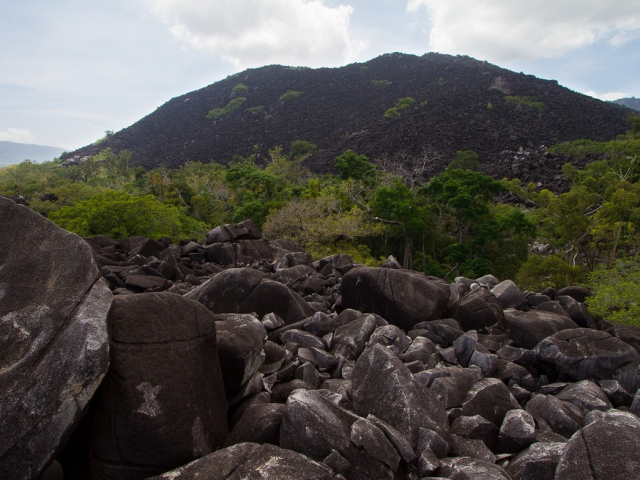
[
  {"x": 398, "y": 206},
  {"x": 465, "y": 160},
  {"x": 357, "y": 167},
  {"x": 120, "y": 215}
]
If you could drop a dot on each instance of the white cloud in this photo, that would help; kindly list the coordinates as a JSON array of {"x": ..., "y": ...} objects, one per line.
[
  {"x": 251, "y": 33},
  {"x": 503, "y": 31},
  {"x": 608, "y": 96},
  {"x": 18, "y": 135}
]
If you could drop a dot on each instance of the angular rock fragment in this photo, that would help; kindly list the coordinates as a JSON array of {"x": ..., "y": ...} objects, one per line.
[{"x": 384, "y": 387}]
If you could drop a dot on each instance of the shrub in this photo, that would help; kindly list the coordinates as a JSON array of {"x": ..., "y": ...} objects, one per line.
[
  {"x": 380, "y": 83},
  {"x": 537, "y": 273},
  {"x": 120, "y": 215},
  {"x": 290, "y": 95},
  {"x": 257, "y": 109},
  {"x": 401, "y": 104},
  {"x": 239, "y": 89},
  {"x": 616, "y": 293},
  {"x": 526, "y": 101},
  {"x": 232, "y": 106}
]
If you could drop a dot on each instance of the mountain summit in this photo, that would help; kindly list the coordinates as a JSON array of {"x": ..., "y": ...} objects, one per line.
[{"x": 397, "y": 104}]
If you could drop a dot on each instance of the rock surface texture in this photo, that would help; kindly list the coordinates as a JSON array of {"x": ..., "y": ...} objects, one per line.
[
  {"x": 274, "y": 366},
  {"x": 54, "y": 349}
]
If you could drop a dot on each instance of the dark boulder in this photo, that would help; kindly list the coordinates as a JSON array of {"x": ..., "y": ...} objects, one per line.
[
  {"x": 401, "y": 297},
  {"x": 385, "y": 388},
  {"x": 479, "y": 309},
  {"x": 251, "y": 461},
  {"x": 240, "y": 339},
  {"x": 53, "y": 337},
  {"x": 527, "y": 329},
  {"x": 584, "y": 354},
  {"x": 162, "y": 403},
  {"x": 245, "y": 290},
  {"x": 605, "y": 449}
]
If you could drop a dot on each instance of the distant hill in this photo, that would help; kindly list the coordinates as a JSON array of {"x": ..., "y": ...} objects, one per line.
[
  {"x": 11, "y": 152},
  {"x": 631, "y": 102},
  {"x": 456, "y": 103}
]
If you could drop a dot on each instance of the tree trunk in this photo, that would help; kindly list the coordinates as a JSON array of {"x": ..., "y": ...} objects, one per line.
[{"x": 408, "y": 252}]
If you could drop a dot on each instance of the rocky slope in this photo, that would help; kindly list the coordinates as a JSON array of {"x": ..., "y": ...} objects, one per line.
[
  {"x": 461, "y": 104},
  {"x": 233, "y": 358}
]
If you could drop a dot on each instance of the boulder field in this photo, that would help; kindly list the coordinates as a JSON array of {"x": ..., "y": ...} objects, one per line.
[{"x": 233, "y": 358}]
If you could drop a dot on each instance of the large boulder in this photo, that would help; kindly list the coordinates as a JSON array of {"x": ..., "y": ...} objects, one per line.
[
  {"x": 53, "y": 337},
  {"x": 384, "y": 387},
  {"x": 403, "y": 298},
  {"x": 244, "y": 290},
  {"x": 479, "y": 309},
  {"x": 527, "y": 329},
  {"x": 162, "y": 403},
  {"x": 586, "y": 354},
  {"x": 605, "y": 449},
  {"x": 252, "y": 461}
]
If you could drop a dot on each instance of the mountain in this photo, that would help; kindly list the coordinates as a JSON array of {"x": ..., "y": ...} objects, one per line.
[
  {"x": 11, "y": 152},
  {"x": 459, "y": 104},
  {"x": 631, "y": 102}
]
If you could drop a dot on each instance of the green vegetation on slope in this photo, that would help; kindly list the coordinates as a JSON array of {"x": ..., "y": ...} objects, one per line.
[{"x": 450, "y": 225}]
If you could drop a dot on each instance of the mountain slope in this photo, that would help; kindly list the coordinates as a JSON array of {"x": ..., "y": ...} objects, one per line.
[
  {"x": 460, "y": 104},
  {"x": 12, "y": 152},
  {"x": 631, "y": 102}
]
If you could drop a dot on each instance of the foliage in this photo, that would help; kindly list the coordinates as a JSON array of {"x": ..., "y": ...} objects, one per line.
[
  {"x": 239, "y": 89},
  {"x": 616, "y": 293},
  {"x": 380, "y": 83},
  {"x": 120, "y": 215},
  {"x": 302, "y": 148},
  {"x": 538, "y": 272},
  {"x": 230, "y": 107},
  {"x": 401, "y": 104},
  {"x": 320, "y": 223},
  {"x": 465, "y": 160},
  {"x": 257, "y": 109},
  {"x": 526, "y": 101},
  {"x": 354, "y": 166},
  {"x": 290, "y": 95},
  {"x": 588, "y": 148}
]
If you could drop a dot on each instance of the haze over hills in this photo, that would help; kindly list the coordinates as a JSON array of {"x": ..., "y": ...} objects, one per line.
[
  {"x": 12, "y": 152},
  {"x": 457, "y": 103},
  {"x": 631, "y": 102}
]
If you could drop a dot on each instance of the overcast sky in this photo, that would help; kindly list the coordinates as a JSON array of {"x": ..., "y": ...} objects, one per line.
[{"x": 72, "y": 69}]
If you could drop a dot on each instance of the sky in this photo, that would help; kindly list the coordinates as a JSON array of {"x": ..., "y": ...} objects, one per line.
[{"x": 70, "y": 70}]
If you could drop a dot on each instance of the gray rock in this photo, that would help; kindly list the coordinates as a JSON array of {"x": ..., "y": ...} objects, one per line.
[
  {"x": 251, "y": 461},
  {"x": 586, "y": 354},
  {"x": 509, "y": 295},
  {"x": 259, "y": 424},
  {"x": 479, "y": 309},
  {"x": 527, "y": 329},
  {"x": 244, "y": 290},
  {"x": 605, "y": 449},
  {"x": 368, "y": 436},
  {"x": 517, "y": 432},
  {"x": 53, "y": 337},
  {"x": 489, "y": 398},
  {"x": 585, "y": 395},
  {"x": 384, "y": 387},
  {"x": 241, "y": 339},
  {"x": 538, "y": 462},
  {"x": 563, "y": 418}
]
